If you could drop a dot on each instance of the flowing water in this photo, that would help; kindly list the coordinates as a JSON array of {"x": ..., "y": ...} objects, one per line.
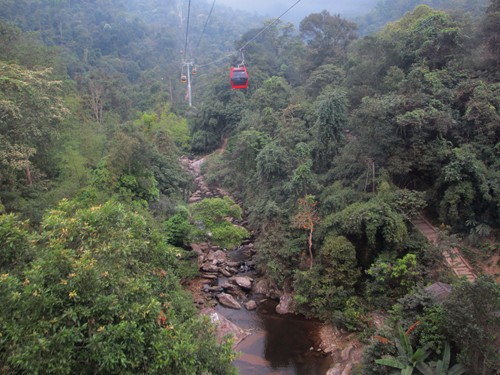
[
  {"x": 278, "y": 344},
  {"x": 285, "y": 345}
]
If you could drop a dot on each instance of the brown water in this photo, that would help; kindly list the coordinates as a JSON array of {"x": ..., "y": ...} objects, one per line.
[{"x": 278, "y": 344}]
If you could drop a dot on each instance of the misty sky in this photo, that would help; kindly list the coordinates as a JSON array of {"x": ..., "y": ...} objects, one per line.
[{"x": 274, "y": 8}]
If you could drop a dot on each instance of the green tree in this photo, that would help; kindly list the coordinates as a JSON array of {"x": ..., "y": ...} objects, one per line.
[
  {"x": 471, "y": 321},
  {"x": 466, "y": 189},
  {"x": 408, "y": 359},
  {"x": 212, "y": 217},
  {"x": 322, "y": 77},
  {"x": 306, "y": 218},
  {"x": 102, "y": 296},
  {"x": 274, "y": 93},
  {"x": 326, "y": 287},
  {"x": 373, "y": 226},
  {"x": 329, "y": 127},
  {"x": 327, "y": 37},
  {"x": 30, "y": 110},
  {"x": 16, "y": 249},
  {"x": 392, "y": 279}
]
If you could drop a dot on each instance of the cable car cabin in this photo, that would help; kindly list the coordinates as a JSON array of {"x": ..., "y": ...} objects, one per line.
[
  {"x": 194, "y": 71},
  {"x": 239, "y": 77},
  {"x": 183, "y": 78}
]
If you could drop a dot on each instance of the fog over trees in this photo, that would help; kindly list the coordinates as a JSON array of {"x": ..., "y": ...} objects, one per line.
[{"x": 350, "y": 131}]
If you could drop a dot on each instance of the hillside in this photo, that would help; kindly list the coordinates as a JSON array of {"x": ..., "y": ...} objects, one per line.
[{"x": 337, "y": 147}]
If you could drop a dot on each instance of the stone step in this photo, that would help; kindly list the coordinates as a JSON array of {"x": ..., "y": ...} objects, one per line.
[{"x": 453, "y": 257}]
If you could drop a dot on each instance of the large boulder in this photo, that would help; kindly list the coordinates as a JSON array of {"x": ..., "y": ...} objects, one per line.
[
  {"x": 233, "y": 289},
  {"x": 226, "y": 327},
  {"x": 266, "y": 287},
  {"x": 228, "y": 301},
  {"x": 217, "y": 257},
  {"x": 286, "y": 305},
  {"x": 243, "y": 282}
]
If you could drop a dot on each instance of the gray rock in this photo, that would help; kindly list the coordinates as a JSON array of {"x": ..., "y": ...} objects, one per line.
[
  {"x": 226, "y": 273},
  {"x": 228, "y": 301},
  {"x": 286, "y": 305},
  {"x": 335, "y": 370},
  {"x": 267, "y": 288},
  {"x": 209, "y": 276},
  {"x": 250, "y": 305},
  {"x": 234, "y": 290},
  {"x": 216, "y": 257},
  {"x": 216, "y": 289},
  {"x": 347, "y": 369},
  {"x": 243, "y": 282},
  {"x": 346, "y": 353},
  {"x": 208, "y": 267}
]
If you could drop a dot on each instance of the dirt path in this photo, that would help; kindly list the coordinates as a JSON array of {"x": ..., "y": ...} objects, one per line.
[{"x": 452, "y": 255}]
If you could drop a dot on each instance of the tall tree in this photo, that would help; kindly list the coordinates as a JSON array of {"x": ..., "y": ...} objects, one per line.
[
  {"x": 327, "y": 37},
  {"x": 31, "y": 109},
  {"x": 329, "y": 127}
]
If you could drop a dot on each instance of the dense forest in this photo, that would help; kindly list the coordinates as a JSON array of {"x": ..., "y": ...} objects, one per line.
[{"x": 339, "y": 142}]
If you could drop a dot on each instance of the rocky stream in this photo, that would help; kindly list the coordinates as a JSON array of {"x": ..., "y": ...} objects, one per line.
[{"x": 270, "y": 338}]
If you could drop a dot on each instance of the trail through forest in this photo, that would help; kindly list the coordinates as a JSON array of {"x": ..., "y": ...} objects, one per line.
[{"x": 451, "y": 254}]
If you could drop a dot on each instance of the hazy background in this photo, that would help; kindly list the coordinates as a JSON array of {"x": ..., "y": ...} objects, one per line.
[{"x": 274, "y": 8}]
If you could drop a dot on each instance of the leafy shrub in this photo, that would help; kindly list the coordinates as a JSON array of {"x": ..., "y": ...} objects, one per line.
[{"x": 102, "y": 295}]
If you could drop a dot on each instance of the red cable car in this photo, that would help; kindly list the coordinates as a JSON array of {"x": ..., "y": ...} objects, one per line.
[{"x": 239, "y": 77}]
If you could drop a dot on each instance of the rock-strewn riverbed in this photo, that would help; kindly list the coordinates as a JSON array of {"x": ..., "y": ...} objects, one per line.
[{"x": 245, "y": 304}]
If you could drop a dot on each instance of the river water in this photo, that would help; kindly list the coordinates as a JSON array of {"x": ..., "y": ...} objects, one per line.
[{"x": 278, "y": 344}]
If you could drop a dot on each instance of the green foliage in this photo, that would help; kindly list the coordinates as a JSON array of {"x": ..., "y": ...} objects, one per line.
[
  {"x": 387, "y": 11},
  {"x": 177, "y": 128},
  {"x": 15, "y": 247},
  {"x": 31, "y": 109},
  {"x": 465, "y": 181},
  {"x": 327, "y": 286},
  {"x": 392, "y": 279},
  {"x": 327, "y": 37},
  {"x": 330, "y": 123},
  {"x": 279, "y": 253},
  {"x": 272, "y": 163},
  {"x": 442, "y": 366},
  {"x": 178, "y": 228},
  {"x": 212, "y": 218},
  {"x": 327, "y": 75},
  {"x": 408, "y": 357},
  {"x": 102, "y": 295},
  {"x": 274, "y": 93},
  {"x": 472, "y": 323},
  {"x": 374, "y": 351},
  {"x": 375, "y": 225}
]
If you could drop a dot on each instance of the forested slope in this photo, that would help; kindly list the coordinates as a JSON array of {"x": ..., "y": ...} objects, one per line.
[
  {"x": 337, "y": 144},
  {"x": 387, "y": 11},
  {"x": 341, "y": 141},
  {"x": 90, "y": 135}
]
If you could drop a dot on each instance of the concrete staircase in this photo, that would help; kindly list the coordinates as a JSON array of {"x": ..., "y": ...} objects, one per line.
[{"x": 452, "y": 256}]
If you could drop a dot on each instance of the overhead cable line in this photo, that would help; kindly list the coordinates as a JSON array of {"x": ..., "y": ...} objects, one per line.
[
  {"x": 270, "y": 25},
  {"x": 251, "y": 40},
  {"x": 205, "y": 26},
  {"x": 187, "y": 30}
]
